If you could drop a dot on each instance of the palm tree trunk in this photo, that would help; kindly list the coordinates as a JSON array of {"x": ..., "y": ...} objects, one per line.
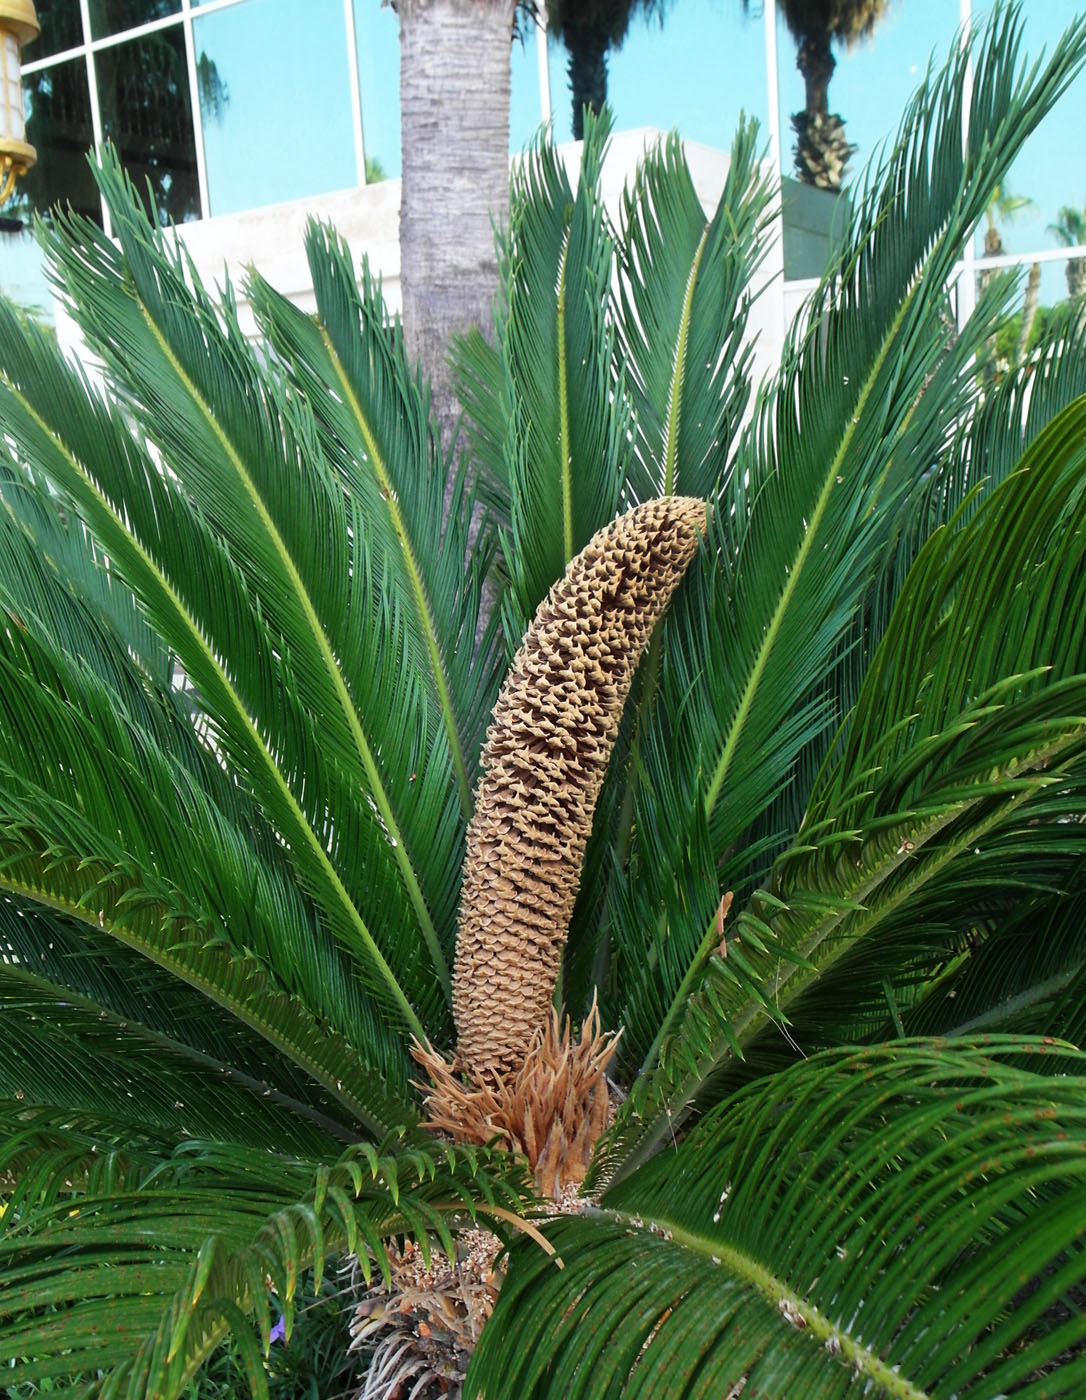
[
  {"x": 1029, "y": 313},
  {"x": 816, "y": 63},
  {"x": 454, "y": 110},
  {"x": 587, "y": 74}
]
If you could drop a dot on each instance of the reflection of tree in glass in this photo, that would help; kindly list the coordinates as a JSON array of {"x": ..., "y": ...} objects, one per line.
[
  {"x": 144, "y": 95},
  {"x": 59, "y": 126},
  {"x": 143, "y": 91},
  {"x": 61, "y": 28},
  {"x": 214, "y": 94},
  {"x": 822, "y": 150},
  {"x": 114, "y": 16}
]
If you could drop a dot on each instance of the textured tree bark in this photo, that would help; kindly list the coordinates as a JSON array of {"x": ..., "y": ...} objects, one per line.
[{"x": 454, "y": 111}]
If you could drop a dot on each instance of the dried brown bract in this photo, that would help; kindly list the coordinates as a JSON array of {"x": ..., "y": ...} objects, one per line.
[{"x": 552, "y": 1108}]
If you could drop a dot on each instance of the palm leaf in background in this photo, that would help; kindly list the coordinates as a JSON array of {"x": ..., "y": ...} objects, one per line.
[{"x": 245, "y": 672}]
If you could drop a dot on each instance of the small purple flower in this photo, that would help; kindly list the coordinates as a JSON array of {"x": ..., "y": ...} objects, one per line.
[{"x": 278, "y": 1332}]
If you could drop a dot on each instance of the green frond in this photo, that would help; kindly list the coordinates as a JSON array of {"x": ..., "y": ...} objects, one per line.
[
  {"x": 563, "y": 456},
  {"x": 1021, "y": 973},
  {"x": 113, "y": 812},
  {"x": 67, "y": 1052},
  {"x": 686, "y": 304},
  {"x": 260, "y": 523},
  {"x": 891, "y": 1222},
  {"x": 684, "y": 309},
  {"x": 175, "y": 1247},
  {"x": 372, "y": 417},
  {"x": 972, "y": 710}
]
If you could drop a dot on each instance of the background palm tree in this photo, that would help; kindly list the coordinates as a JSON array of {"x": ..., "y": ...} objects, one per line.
[
  {"x": 1070, "y": 231},
  {"x": 1003, "y": 207},
  {"x": 589, "y": 31},
  {"x": 822, "y": 150},
  {"x": 832, "y": 895},
  {"x": 454, "y": 124}
]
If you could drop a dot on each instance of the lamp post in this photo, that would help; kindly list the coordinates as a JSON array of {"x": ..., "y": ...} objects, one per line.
[{"x": 18, "y": 25}]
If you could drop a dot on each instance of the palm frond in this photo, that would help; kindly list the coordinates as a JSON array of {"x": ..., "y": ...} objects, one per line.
[
  {"x": 74, "y": 996},
  {"x": 173, "y": 1247},
  {"x": 67, "y": 1052},
  {"x": 351, "y": 368},
  {"x": 891, "y": 1222},
  {"x": 563, "y": 456},
  {"x": 1021, "y": 975},
  {"x": 997, "y": 946},
  {"x": 230, "y": 439},
  {"x": 686, "y": 301},
  {"x": 114, "y": 813},
  {"x": 971, "y": 709},
  {"x": 684, "y": 310},
  {"x": 808, "y": 521}
]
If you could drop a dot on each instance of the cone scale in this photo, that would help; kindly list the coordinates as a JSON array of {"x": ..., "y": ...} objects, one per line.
[{"x": 544, "y": 763}]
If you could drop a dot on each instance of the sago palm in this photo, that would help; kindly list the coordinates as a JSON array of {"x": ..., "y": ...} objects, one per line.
[{"x": 810, "y": 845}]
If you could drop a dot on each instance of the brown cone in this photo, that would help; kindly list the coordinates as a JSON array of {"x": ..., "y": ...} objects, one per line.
[{"x": 546, "y": 754}]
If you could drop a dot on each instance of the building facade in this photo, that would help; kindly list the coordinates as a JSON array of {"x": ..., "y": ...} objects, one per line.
[{"x": 242, "y": 116}]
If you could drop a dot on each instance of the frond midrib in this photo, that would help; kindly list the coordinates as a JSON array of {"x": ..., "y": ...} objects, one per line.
[
  {"x": 807, "y": 544},
  {"x": 678, "y": 375},
  {"x": 564, "y": 448},
  {"x": 776, "y": 1294},
  {"x": 418, "y": 589}
]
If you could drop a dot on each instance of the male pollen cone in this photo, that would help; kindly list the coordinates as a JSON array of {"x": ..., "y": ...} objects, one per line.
[{"x": 546, "y": 755}]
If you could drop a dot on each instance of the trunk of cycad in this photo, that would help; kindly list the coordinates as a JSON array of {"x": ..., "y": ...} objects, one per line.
[{"x": 517, "y": 1073}]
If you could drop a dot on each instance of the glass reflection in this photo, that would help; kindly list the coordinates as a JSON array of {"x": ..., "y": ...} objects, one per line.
[
  {"x": 377, "y": 41},
  {"x": 277, "y": 119},
  {"x": 694, "y": 70},
  {"x": 841, "y": 97},
  {"x": 115, "y": 16},
  {"x": 61, "y": 28},
  {"x": 143, "y": 93},
  {"x": 59, "y": 126}
]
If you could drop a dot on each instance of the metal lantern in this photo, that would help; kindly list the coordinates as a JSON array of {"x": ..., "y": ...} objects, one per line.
[{"x": 18, "y": 25}]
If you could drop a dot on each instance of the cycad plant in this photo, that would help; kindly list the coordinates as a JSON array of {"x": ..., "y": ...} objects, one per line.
[{"x": 783, "y": 789}]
